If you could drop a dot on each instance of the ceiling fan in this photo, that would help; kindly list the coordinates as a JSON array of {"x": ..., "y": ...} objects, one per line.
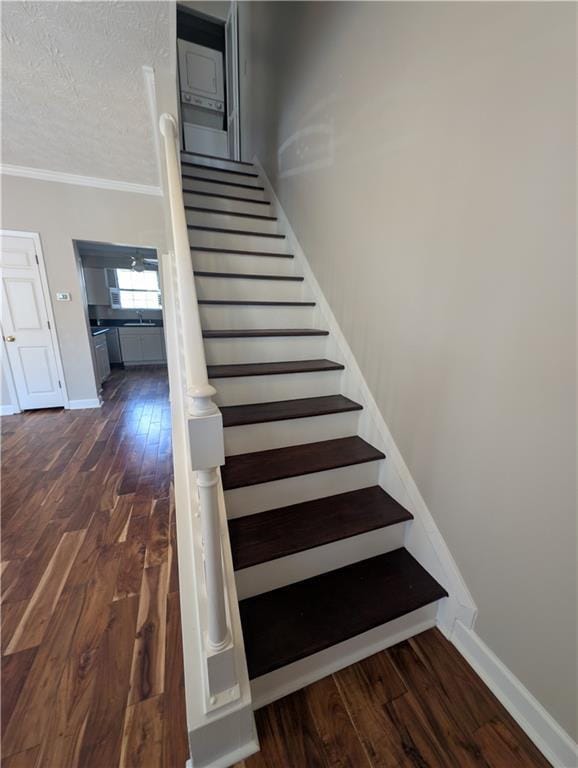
[{"x": 137, "y": 263}]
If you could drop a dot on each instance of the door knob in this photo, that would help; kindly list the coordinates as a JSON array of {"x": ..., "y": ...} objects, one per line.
[{"x": 9, "y": 338}]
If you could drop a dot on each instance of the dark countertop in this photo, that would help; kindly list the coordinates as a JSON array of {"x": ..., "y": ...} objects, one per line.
[{"x": 120, "y": 323}]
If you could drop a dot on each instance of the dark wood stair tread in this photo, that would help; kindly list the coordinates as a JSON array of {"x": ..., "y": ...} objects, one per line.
[
  {"x": 239, "y": 214},
  {"x": 290, "y": 623},
  {"x": 249, "y": 333},
  {"x": 225, "y": 197},
  {"x": 219, "y": 170},
  {"x": 283, "y": 410},
  {"x": 240, "y": 252},
  {"x": 235, "y": 370},
  {"x": 295, "y": 460},
  {"x": 249, "y": 303},
  {"x": 284, "y": 531},
  {"x": 247, "y": 276},
  {"x": 216, "y": 157},
  {"x": 224, "y": 231},
  {"x": 192, "y": 177}
]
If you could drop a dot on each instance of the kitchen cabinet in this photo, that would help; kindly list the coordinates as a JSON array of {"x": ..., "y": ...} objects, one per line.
[
  {"x": 96, "y": 286},
  {"x": 142, "y": 345},
  {"x": 101, "y": 356}
]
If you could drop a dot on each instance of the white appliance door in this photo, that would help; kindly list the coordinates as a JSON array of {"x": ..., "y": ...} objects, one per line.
[
  {"x": 27, "y": 338},
  {"x": 232, "y": 68},
  {"x": 201, "y": 74}
]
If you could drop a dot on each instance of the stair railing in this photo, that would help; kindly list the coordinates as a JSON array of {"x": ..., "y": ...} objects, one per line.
[{"x": 217, "y": 691}]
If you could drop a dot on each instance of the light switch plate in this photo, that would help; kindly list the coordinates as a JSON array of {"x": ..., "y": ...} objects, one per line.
[{"x": 63, "y": 296}]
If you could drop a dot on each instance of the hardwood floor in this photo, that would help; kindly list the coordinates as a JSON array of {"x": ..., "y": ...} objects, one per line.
[
  {"x": 92, "y": 655},
  {"x": 92, "y": 670},
  {"x": 416, "y": 705}
]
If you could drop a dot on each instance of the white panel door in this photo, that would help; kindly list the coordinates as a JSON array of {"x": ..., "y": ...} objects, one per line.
[
  {"x": 25, "y": 327},
  {"x": 232, "y": 69}
]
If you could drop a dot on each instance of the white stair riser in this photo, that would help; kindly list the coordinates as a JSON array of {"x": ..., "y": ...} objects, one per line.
[
  {"x": 293, "y": 490},
  {"x": 244, "y": 289},
  {"x": 232, "y": 222},
  {"x": 252, "y": 265},
  {"x": 264, "y": 389},
  {"x": 292, "y": 677},
  {"x": 279, "y": 434},
  {"x": 303, "y": 565},
  {"x": 190, "y": 185},
  {"x": 217, "y": 174},
  {"x": 223, "y": 204},
  {"x": 263, "y": 350},
  {"x": 234, "y": 316},
  {"x": 216, "y": 162},
  {"x": 199, "y": 238}
]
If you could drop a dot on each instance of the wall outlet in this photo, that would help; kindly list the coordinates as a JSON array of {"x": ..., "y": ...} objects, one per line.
[{"x": 63, "y": 296}]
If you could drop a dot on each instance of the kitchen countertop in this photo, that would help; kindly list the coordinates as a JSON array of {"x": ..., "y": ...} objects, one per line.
[{"x": 123, "y": 323}]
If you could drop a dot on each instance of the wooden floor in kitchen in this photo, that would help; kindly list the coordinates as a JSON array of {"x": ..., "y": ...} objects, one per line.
[{"x": 91, "y": 648}]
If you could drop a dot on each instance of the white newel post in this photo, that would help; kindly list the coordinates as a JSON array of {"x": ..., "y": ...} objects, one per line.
[
  {"x": 218, "y": 633},
  {"x": 205, "y": 429}
]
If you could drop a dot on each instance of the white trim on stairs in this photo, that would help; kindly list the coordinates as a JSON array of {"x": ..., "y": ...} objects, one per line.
[
  {"x": 41, "y": 174},
  {"x": 550, "y": 738}
]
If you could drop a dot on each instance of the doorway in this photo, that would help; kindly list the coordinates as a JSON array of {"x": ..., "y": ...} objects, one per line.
[
  {"x": 32, "y": 368},
  {"x": 123, "y": 307},
  {"x": 207, "y": 43}
]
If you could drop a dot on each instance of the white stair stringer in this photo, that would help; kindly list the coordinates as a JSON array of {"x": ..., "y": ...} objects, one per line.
[{"x": 423, "y": 539}]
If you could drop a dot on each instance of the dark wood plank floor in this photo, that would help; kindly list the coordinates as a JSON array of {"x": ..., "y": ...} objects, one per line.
[
  {"x": 92, "y": 671},
  {"x": 416, "y": 705},
  {"x": 92, "y": 655}
]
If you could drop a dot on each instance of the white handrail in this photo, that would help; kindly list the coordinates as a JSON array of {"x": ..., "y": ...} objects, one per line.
[
  {"x": 205, "y": 424},
  {"x": 200, "y": 393}
]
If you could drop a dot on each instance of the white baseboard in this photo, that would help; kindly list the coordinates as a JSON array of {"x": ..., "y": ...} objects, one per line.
[
  {"x": 232, "y": 758},
  {"x": 550, "y": 738},
  {"x": 77, "y": 405},
  {"x": 8, "y": 410},
  {"x": 42, "y": 174}
]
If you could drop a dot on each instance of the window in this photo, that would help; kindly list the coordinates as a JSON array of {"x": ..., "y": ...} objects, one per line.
[{"x": 139, "y": 290}]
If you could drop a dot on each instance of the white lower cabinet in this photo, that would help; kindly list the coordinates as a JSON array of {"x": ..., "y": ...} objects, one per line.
[
  {"x": 102, "y": 359},
  {"x": 142, "y": 345}
]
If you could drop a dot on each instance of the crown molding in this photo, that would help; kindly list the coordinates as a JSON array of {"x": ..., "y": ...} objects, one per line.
[{"x": 83, "y": 181}]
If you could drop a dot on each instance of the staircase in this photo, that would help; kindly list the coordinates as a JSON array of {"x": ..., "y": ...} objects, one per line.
[{"x": 318, "y": 546}]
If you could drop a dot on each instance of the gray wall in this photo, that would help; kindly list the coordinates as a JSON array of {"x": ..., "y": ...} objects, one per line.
[
  {"x": 61, "y": 213},
  {"x": 424, "y": 153}
]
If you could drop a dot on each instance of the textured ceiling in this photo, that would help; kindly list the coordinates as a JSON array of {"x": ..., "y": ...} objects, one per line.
[{"x": 74, "y": 97}]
